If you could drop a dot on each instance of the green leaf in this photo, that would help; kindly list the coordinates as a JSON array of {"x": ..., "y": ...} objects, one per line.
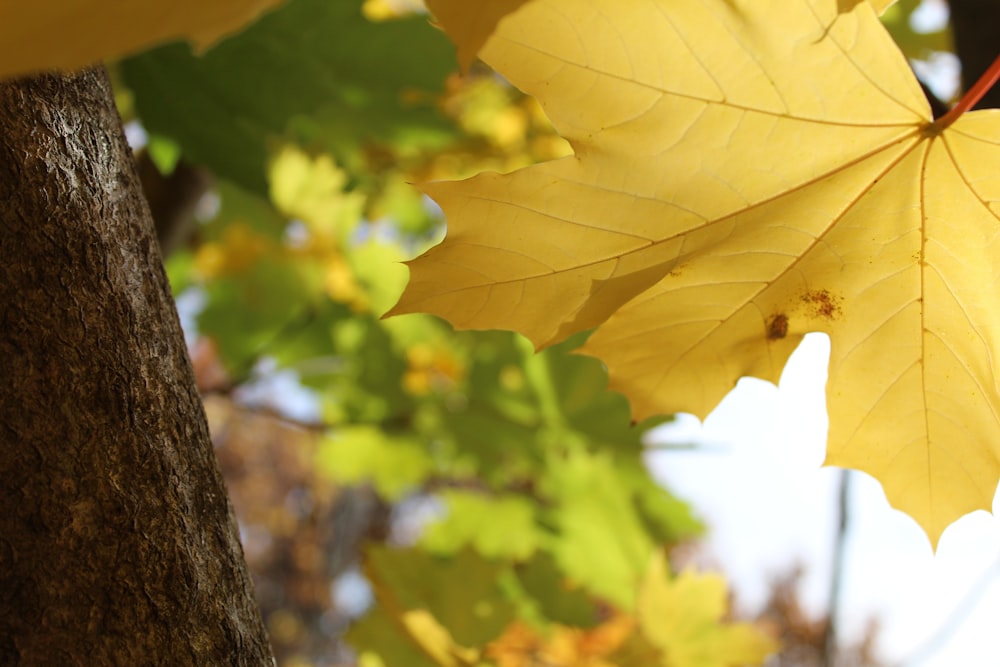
[
  {"x": 667, "y": 519},
  {"x": 319, "y": 61},
  {"x": 497, "y": 527},
  {"x": 599, "y": 539},
  {"x": 379, "y": 267},
  {"x": 461, "y": 592},
  {"x": 556, "y": 600},
  {"x": 394, "y": 465},
  {"x": 683, "y": 617},
  {"x": 380, "y": 633},
  {"x": 248, "y": 313},
  {"x": 368, "y": 386}
]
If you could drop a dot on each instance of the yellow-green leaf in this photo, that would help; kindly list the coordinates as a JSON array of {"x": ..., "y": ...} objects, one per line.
[
  {"x": 70, "y": 34},
  {"x": 435, "y": 639},
  {"x": 497, "y": 527},
  {"x": 590, "y": 502},
  {"x": 682, "y": 616},
  {"x": 394, "y": 465},
  {"x": 747, "y": 172}
]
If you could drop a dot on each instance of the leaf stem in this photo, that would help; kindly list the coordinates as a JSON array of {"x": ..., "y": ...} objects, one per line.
[{"x": 972, "y": 95}]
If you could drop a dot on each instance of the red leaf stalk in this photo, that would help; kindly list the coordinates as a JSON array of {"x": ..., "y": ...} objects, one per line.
[{"x": 972, "y": 95}]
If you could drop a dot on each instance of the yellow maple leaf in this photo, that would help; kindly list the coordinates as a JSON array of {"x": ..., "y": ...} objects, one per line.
[
  {"x": 69, "y": 34},
  {"x": 435, "y": 640},
  {"x": 562, "y": 646},
  {"x": 682, "y": 616},
  {"x": 744, "y": 173},
  {"x": 471, "y": 22}
]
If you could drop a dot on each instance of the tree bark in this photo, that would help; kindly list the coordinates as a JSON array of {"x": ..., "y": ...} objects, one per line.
[{"x": 118, "y": 545}]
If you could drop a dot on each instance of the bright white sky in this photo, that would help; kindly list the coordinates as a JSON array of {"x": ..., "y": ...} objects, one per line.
[{"x": 768, "y": 505}]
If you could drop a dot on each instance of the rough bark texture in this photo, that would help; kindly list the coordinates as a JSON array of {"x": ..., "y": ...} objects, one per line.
[{"x": 117, "y": 542}]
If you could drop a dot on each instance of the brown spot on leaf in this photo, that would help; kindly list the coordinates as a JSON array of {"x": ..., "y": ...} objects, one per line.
[
  {"x": 823, "y": 304},
  {"x": 777, "y": 327}
]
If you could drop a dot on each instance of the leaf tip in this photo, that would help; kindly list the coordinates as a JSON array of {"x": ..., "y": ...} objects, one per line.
[{"x": 399, "y": 309}]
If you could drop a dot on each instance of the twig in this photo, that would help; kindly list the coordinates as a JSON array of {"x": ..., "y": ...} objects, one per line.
[
  {"x": 837, "y": 576},
  {"x": 972, "y": 95}
]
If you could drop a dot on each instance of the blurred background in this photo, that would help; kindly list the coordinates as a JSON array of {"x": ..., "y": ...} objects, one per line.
[{"x": 412, "y": 496}]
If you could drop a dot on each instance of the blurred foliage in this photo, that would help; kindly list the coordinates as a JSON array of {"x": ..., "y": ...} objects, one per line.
[
  {"x": 495, "y": 500},
  {"x": 803, "y": 638},
  {"x": 916, "y": 42}
]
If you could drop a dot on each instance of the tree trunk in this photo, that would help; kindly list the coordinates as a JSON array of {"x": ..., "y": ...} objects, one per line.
[{"x": 118, "y": 545}]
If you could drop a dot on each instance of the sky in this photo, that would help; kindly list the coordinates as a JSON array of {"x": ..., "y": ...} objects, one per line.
[{"x": 757, "y": 480}]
